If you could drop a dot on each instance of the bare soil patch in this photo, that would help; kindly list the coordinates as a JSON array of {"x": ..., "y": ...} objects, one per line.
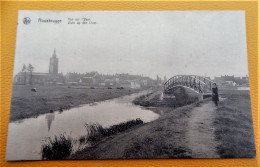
[{"x": 200, "y": 132}]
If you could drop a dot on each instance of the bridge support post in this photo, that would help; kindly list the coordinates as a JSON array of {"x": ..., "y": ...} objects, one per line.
[{"x": 201, "y": 97}]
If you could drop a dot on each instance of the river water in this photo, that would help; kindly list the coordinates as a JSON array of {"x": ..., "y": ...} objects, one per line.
[{"x": 26, "y": 137}]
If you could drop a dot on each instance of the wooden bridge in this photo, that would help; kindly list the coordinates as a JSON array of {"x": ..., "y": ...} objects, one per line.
[{"x": 198, "y": 84}]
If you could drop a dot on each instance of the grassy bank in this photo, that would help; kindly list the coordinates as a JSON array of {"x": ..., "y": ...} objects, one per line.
[
  {"x": 57, "y": 148},
  {"x": 233, "y": 126},
  {"x": 61, "y": 146},
  {"x": 162, "y": 138},
  {"x": 181, "y": 96},
  {"x": 97, "y": 132},
  {"x": 26, "y": 104}
]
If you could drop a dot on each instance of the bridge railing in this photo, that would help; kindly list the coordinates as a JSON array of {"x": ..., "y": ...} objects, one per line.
[{"x": 197, "y": 83}]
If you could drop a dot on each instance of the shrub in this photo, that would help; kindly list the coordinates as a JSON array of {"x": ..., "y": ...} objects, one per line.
[
  {"x": 57, "y": 148},
  {"x": 82, "y": 139},
  {"x": 96, "y": 131}
]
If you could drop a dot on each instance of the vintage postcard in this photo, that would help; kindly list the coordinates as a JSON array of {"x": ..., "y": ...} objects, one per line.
[{"x": 130, "y": 85}]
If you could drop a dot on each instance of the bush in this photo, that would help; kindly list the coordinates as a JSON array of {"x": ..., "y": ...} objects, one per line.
[
  {"x": 82, "y": 139},
  {"x": 57, "y": 148},
  {"x": 96, "y": 131}
]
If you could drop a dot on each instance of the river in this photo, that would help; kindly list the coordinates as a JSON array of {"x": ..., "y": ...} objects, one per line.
[{"x": 25, "y": 137}]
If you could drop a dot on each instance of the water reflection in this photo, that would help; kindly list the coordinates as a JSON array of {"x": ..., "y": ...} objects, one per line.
[
  {"x": 93, "y": 104},
  {"x": 26, "y": 138},
  {"x": 49, "y": 118}
]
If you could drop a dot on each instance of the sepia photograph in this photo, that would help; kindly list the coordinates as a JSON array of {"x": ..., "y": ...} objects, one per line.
[{"x": 130, "y": 85}]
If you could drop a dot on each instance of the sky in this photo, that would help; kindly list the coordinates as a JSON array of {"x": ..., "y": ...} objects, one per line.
[{"x": 149, "y": 43}]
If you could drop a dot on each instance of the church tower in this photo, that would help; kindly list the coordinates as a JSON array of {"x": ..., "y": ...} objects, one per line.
[{"x": 54, "y": 62}]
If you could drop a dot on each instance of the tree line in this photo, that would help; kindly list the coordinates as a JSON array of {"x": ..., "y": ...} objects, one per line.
[{"x": 26, "y": 69}]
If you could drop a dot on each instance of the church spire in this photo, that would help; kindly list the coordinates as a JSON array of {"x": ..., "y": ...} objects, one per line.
[
  {"x": 54, "y": 63},
  {"x": 54, "y": 53}
]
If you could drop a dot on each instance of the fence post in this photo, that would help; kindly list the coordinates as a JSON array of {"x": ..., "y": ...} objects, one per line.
[
  {"x": 190, "y": 82},
  {"x": 199, "y": 86}
]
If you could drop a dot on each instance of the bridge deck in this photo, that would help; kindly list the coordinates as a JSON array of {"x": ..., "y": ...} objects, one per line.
[{"x": 198, "y": 84}]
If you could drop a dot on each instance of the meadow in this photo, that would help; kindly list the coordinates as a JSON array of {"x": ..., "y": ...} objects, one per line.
[
  {"x": 26, "y": 103},
  {"x": 233, "y": 125}
]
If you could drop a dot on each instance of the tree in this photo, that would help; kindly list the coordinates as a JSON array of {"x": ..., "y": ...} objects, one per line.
[
  {"x": 158, "y": 79},
  {"x": 30, "y": 68},
  {"x": 165, "y": 79},
  {"x": 24, "y": 69}
]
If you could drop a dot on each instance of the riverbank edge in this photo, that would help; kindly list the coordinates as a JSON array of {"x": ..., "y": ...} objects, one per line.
[{"x": 63, "y": 105}]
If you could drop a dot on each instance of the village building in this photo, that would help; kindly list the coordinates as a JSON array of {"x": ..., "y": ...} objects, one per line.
[
  {"x": 51, "y": 78},
  {"x": 231, "y": 81},
  {"x": 135, "y": 85},
  {"x": 87, "y": 81}
]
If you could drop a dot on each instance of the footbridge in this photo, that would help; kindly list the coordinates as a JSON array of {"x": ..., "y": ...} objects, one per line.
[{"x": 198, "y": 84}]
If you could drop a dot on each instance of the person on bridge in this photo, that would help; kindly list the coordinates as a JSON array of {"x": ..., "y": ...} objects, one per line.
[{"x": 215, "y": 93}]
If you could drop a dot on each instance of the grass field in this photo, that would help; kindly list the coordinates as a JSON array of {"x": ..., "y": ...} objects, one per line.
[
  {"x": 233, "y": 125},
  {"x": 26, "y": 103}
]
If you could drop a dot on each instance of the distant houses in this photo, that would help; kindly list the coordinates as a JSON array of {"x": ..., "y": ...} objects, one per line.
[
  {"x": 135, "y": 85},
  {"x": 92, "y": 79},
  {"x": 118, "y": 80},
  {"x": 229, "y": 81}
]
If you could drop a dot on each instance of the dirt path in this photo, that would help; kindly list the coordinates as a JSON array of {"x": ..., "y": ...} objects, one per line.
[{"x": 200, "y": 133}]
